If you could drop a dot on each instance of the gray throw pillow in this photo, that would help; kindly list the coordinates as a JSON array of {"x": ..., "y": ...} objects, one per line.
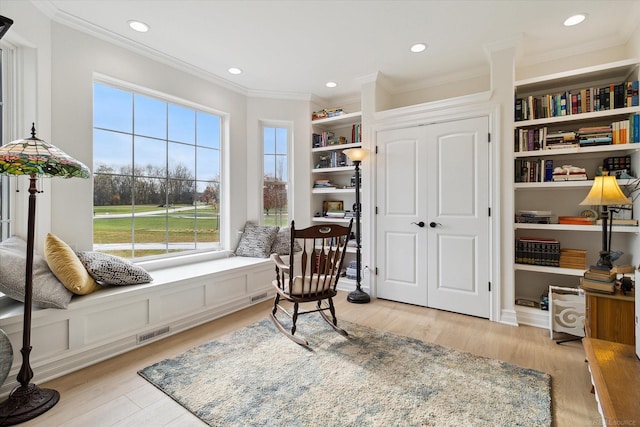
[
  {"x": 48, "y": 292},
  {"x": 256, "y": 240},
  {"x": 109, "y": 269},
  {"x": 282, "y": 244}
]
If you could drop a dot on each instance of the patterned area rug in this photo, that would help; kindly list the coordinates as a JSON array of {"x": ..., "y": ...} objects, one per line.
[{"x": 258, "y": 377}]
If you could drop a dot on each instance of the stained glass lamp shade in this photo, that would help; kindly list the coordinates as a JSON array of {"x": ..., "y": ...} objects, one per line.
[{"x": 36, "y": 158}]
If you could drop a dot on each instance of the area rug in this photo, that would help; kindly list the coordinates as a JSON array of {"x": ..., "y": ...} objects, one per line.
[{"x": 258, "y": 377}]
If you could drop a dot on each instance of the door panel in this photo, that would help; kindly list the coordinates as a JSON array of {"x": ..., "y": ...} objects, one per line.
[
  {"x": 458, "y": 277},
  {"x": 437, "y": 174},
  {"x": 401, "y": 249}
]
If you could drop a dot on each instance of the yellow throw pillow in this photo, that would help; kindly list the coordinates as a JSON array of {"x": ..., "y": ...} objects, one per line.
[{"x": 66, "y": 266}]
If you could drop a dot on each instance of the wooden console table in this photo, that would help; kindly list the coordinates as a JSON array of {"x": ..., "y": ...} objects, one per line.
[{"x": 615, "y": 374}]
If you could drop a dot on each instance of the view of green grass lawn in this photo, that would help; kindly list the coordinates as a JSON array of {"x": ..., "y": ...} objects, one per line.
[{"x": 113, "y": 225}]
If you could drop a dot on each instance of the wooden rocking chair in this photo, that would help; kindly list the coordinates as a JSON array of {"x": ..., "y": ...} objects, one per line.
[{"x": 310, "y": 275}]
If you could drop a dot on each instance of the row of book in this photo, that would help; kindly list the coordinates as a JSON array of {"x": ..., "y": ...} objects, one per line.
[
  {"x": 533, "y": 170},
  {"x": 329, "y": 138},
  {"x": 579, "y": 101},
  {"x": 547, "y": 252},
  {"x": 332, "y": 159},
  {"x": 534, "y": 251},
  {"x": 619, "y": 132}
]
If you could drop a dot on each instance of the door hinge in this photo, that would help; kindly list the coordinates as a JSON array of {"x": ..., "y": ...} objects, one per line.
[
  {"x": 489, "y": 211},
  {"x": 376, "y": 152},
  {"x": 489, "y": 137},
  {"x": 489, "y": 286},
  {"x": 376, "y": 271},
  {"x": 376, "y": 210}
]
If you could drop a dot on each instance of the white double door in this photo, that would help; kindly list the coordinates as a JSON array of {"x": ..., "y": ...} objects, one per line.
[{"x": 433, "y": 222}]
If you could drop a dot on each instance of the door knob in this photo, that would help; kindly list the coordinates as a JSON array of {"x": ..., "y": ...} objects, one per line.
[
  {"x": 434, "y": 224},
  {"x": 419, "y": 224}
]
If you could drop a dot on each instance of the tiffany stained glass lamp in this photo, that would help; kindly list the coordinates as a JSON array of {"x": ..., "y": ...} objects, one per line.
[{"x": 36, "y": 158}]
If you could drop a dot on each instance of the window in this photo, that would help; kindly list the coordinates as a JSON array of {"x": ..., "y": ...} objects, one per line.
[
  {"x": 157, "y": 174},
  {"x": 275, "y": 187},
  {"x": 5, "y": 199}
]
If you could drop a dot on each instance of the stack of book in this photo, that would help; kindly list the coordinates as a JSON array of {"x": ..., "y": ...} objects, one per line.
[
  {"x": 575, "y": 220},
  {"x": 599, "y": 279},
  {"x": 573, "y": 258},
  {"x": 323, "y": 183},
  {"x": 534, "y": 217},
  {"x": 561, "y": 139},
  {"x": 595, "y": 135}
]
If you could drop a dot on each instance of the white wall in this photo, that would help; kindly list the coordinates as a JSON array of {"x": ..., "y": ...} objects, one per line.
[
  {"x": 297, "y": 113},
  {"x": 76, "y": 57}
]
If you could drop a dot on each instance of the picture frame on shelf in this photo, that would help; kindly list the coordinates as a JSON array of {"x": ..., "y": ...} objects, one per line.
[{"x": 332, "y": 205}]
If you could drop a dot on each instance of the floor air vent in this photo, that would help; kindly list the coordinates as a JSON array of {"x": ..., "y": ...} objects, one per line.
[
  {"x": 260, "y": 297},
  {"x": 149, "y": 335}
]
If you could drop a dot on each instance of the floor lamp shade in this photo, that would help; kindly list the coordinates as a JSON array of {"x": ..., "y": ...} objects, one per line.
[
  {"x": 358, "y": 295},
  {"x": 605, "y": 192},
  {"x": 36, "y": 158}
]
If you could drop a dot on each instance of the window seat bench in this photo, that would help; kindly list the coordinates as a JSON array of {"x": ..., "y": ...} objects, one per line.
[{"x": 117, "y": 319}]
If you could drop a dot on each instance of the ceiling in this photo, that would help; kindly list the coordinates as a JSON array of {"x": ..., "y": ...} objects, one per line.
[{"x": 292, "y": 48}]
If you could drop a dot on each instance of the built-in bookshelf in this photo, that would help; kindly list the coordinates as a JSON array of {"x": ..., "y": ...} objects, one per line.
[
  {"x": 332, "y": 173},
  {"x": 557, "y": 152}
]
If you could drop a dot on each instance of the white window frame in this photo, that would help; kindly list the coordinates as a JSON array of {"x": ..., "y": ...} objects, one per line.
[
  {"x": 224, "y": 222},
  {"x": 290, "y": 187}
]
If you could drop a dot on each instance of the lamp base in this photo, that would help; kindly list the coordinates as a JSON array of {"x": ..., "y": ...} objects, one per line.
[
  {"x": 25, "y": 403},
  {"x": 605, "y": 259},
  {"x": 358, "y": 297}
]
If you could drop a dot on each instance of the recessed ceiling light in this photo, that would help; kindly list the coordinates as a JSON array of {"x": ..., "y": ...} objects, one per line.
[
  {"x": 331, "y": 84},
  {"x": 418, "y": 47},
  {"x": 138, "y": 26},
  {"x": 574, "y": 20},
  {"x": 234, "y": 70}
]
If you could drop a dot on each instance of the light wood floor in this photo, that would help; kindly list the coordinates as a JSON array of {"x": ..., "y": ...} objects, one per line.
[{"x": 111, "y": 393}]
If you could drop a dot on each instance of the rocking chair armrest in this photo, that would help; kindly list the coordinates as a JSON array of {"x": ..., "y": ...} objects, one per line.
[{"x": 279, "y": 263}]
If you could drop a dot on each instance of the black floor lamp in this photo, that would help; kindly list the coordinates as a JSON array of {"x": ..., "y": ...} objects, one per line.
[
  {"x": 36, "y": 158},
  {"x": 605, "y": 192},
  {"x": 357, "y": 296}
]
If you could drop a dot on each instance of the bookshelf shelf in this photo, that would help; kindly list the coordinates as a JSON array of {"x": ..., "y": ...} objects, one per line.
[
  {"x": 550, "y": 270},
  {"x": 582, "y": 151},
  {"x": 332, "y": 191},
  {"x": 569, "y": 185},
  {"x": 576, "y": 118},
  {"x": 568, "y": 227},
  {"x": 336, "y": 147},
  {"x": 340, "y": 169},
  {"x": 564, "y": 198}
]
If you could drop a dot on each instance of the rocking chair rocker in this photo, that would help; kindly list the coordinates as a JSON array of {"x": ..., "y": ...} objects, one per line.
[{"x": 310, "y": 275}]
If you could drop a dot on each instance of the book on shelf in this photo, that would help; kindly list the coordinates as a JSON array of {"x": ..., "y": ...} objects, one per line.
[
  {"x": 600, "y": 275},
  {"x": 616, "y": 221},
  {"x": 578, "y": 176},
  {"x": 536, "y": 251},
  {"x": 573, "y": 258},
  {"x": 575, "y": 220},
  {"x": 608, "y": 287},
  {"x": 581, "y": 100}
]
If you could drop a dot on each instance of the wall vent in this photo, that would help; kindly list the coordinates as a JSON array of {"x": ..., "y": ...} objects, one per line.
[
  {"x": 257, "y": 298},
  {"x": 149, "y": 335}
]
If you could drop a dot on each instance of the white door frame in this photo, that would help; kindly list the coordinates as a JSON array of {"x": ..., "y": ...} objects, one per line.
[{"x": 431, "y": 113}]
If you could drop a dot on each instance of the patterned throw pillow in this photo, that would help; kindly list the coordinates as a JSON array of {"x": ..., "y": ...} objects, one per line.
[
  {"x": 282, "y": 244},
  {"x": 48, "y": 292},
  {"x": 112, "y": 270},
  {"x": 256, "y": 240}
]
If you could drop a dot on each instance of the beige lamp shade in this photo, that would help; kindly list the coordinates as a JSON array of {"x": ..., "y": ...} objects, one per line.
[
  {"x": 356, "y": 154},
  {"x": 605, "y": 192}
]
